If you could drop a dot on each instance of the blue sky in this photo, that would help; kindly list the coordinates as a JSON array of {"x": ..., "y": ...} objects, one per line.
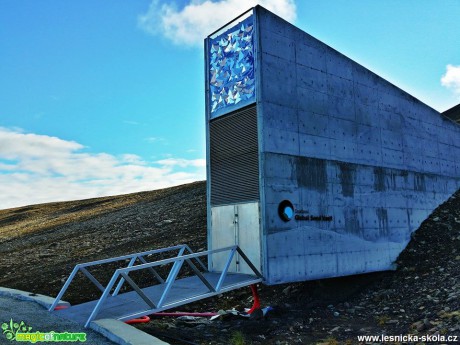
[{"x": 107, "y": 97}]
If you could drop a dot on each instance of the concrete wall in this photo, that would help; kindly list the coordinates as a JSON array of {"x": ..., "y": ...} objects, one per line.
[{"x": 339, "y": 141}]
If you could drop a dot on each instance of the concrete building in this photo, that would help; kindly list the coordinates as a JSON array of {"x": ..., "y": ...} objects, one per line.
[
  {"x": 317, "y": 167},
  {"x": 453, "y": 113}
]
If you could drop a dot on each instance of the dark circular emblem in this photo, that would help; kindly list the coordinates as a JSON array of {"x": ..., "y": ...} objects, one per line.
[{"x": 286, "y": 210}]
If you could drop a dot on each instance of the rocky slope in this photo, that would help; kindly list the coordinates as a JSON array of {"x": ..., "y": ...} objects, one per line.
[{"x": 40, "y": 244}]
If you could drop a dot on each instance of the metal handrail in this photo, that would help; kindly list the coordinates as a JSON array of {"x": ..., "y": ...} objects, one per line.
[
  {"x": 167, "y": 261},
  {"x": 122, "y": 276},
  {"x": 177, "y": 265},
  {"x": 133, "y": 257},
  {"x": 129, "y": 256}
]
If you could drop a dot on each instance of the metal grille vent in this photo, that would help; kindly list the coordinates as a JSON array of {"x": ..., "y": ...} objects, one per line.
[{"x": 234, "y": 158}]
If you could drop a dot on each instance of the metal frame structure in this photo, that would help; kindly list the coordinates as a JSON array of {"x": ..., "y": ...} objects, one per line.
[{"x": 121, "y": 275}]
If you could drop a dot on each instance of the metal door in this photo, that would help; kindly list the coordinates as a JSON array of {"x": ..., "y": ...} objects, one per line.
[{"x": 236, "y": 224}]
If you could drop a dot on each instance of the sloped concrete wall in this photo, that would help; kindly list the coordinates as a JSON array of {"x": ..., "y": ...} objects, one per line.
[{"x": 343, "y": 144}]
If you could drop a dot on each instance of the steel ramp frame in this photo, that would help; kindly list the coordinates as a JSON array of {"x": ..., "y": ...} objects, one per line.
[{"x": 157, "y": 297}]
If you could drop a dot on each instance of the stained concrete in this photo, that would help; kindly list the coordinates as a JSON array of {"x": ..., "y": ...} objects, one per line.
[
  {"x": 364, "y": 152},
  {"x": 362, "y": 161}
]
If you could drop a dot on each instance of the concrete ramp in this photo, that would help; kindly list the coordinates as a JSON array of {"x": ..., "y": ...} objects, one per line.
[{"x": 163, "y": 293}]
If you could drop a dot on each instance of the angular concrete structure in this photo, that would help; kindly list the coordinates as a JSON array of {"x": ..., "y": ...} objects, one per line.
[
  {"x": 453, "y": 113},
  {"x": 317, "y": 167}
]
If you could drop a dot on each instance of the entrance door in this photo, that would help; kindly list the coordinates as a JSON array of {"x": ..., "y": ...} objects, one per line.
[{"x": 236, "y": 224}]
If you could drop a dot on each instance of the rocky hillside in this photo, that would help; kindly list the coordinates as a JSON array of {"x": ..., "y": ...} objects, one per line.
[
  {"x": 46, "y": 241},
  {"x": 40, "y": 244}
]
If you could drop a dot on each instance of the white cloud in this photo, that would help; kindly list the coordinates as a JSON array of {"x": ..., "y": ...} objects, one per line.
[
  {"x": 38, "y": 168},
  {"x": 32, "y": 145},
  {"x": 182, "y": 162},
  {"x": 155, "y": 140},
  {"x": 191, "y": 24},
  {"x": 451, "y": 79}
]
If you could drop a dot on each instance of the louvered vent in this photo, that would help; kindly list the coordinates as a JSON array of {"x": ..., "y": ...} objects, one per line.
[{"x": 234, "y": 158}]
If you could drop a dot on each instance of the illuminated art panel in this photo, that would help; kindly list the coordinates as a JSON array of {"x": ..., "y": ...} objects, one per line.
[{"x": 231, "y": 67}]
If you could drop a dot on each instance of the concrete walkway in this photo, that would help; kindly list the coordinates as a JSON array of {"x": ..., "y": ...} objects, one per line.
[{"x": 21, "y": 306}]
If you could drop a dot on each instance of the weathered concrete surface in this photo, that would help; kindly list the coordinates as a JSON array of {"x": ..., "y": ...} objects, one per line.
[
  {"x": 123, "y": 334},
  {"x": 362, "y": 161},
  {"x": 45, "y": 301},
  {"x": 339, "y": 141}
]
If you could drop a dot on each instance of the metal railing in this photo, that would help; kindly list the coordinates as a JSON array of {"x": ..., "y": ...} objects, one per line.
[{"x": 121, "y": 275}]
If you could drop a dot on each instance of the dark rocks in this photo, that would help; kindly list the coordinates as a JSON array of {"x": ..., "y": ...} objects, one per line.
[{"x": 421, "y": 297}]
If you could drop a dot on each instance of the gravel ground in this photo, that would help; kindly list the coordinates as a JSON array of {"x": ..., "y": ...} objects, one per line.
[
  {"x": 31, "y": 314},
  {"x": 420, "y": 298}
]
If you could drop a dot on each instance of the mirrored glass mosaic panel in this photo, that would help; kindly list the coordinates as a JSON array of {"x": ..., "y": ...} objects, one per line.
[{"x": 231, "y": 67}]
